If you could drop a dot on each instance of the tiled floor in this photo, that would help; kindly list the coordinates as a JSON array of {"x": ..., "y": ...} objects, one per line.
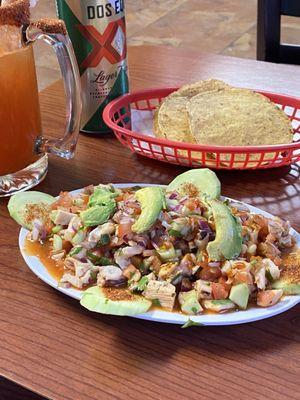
[{"x": 219, "y": 26}]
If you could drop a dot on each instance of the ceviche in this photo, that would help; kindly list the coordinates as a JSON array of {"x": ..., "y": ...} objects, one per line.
[{"x": 180, "y": 248}]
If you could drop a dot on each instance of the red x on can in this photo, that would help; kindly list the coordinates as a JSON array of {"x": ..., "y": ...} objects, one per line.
[{"x": 102, "y": 43}]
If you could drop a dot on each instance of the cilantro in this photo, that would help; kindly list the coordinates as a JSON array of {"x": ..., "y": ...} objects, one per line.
[
  {"x": 142, "y": 283},
  {"x": 226, "y": 202},
  {"x": 57, "y": 229},
  {"x": 98, "y": 260},
  {"x": 269, "y": 276},
  {"x": 75, "y": 251},
  {"x": 194, "y": 309},
  {"x": 93, "y": 275},
  {"x": 131, "y": 280},
  {"x": 174, "y": 232},
  {"x": 190, "y": 323},
  {"x": 144, "y": 266},
  {"x": 156, "y": 302},
  {"x": 104, "y": 240}
]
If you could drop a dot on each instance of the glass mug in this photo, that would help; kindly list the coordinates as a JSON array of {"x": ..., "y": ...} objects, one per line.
[{"x": 23, "y": 149}]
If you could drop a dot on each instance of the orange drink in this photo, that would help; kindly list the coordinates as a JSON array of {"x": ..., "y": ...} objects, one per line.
[
  {"x": 24, "y": 150},
  {"x": 19, "y": 110}
]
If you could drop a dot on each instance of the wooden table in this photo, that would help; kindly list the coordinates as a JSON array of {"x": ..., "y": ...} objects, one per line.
[{"x": 53, "y": 347}]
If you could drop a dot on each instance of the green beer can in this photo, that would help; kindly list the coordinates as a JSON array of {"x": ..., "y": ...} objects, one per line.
[{"x": 98, "y": 34}]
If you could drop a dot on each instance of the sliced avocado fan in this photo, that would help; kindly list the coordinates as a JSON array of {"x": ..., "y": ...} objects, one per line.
[
  {"x": 24, "y": 207},
  {"x": 197, "y": 182},
  {"x": 114, "y": 301},
  {"x": 152, "y": 201},
  {"x": 228, "y": 242}
]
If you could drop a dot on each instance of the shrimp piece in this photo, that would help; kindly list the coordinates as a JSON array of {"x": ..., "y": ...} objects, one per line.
[
  {"x": 272, "y": 268},
  {"x": 260, "y": 278},
  {"x": 269, "y": 250},
  {"x": 262, "y": 222},
  {"x": 268, "y": 298},
  {"x": 243, "y": 277},
  {"x": 122, "y": 256}
]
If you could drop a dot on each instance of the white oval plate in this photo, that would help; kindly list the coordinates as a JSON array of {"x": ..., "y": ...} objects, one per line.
[{"x": 230, "y": 318}]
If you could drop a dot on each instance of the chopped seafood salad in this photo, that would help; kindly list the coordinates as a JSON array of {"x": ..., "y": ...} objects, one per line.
[{"x": 179, "y": 248}]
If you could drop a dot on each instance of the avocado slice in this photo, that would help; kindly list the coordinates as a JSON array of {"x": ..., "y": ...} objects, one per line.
[
  {"x": 197, "y": 182},
  {"x": 151, "y": 200},
  {"x": 107, "y": 300},
  {"x": 189, "y": 303},
  {"x": 289, "y": 280},
  {"x": 24, "y": 207},
  {"x": 219, "y": 305},
  {"x": 101, "y": 195},
  {"x": 239, "y": 294},
  {"x": 287, "y": 287},
  {"x": 98, "y": 214},
  {"x": 228, "y": 242}
]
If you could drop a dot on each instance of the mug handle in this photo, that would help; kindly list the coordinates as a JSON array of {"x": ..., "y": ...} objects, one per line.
[{"x": 62, "y": 46}]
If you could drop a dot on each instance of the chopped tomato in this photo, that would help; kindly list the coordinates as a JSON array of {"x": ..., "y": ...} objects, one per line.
[
  {"x": 223, "y": 281},
  {"x": 135, "y": 207},
  {"x": 204, "y": 262},
  {"x": 219, "y": 291},
  {"x": 277, "y": 261},
  {"x": 210, "y": 273},
  {"x": 120, "y": 197},
  {"x": 85, "y": 198},
  {"x": 124, "y": 228},
  {"x": 239, "y": 265},
  {"x": 65, "y": 200},
  {"x": 193, "y": 204},
  {"x": 126, "y": 196}
]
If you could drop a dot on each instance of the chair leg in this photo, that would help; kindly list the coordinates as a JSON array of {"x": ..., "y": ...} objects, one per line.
[{"x": 268, "y": 30}]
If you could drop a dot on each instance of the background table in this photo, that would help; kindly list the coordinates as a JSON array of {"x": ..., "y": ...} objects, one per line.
[{"x": 52, "y": 346}]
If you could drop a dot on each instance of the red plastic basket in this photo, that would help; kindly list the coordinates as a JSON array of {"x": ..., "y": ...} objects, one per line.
[{"x": 117, "y": 115}]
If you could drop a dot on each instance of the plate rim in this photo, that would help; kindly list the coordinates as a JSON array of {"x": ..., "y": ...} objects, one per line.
[{"x": 231, "y": 318}]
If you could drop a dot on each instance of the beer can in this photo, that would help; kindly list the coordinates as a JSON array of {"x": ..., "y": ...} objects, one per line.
[{"x": 98, "y": 34}]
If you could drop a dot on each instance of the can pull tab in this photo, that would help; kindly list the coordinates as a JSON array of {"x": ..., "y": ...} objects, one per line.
[{"x": 54, "y": 33}]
